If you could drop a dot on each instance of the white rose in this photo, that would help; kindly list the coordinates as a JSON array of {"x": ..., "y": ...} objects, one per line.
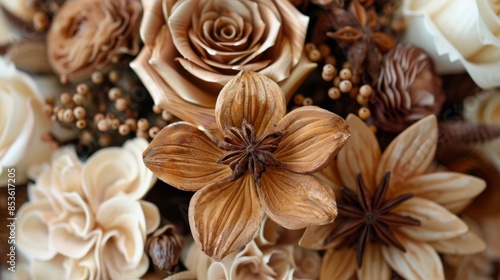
[
  {"x": 22, "y": 123},
  {"x": 458, "y": 34}
]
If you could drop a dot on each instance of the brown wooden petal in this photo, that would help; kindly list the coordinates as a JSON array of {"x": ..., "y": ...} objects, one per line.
[
  {"x": 314, "y": 237},
  {"x": 183, "y": 156},
  {"x": 411, "y": 153},
  {"x": 225, "y": 216},
  {"x": 374, "y": 265},
  {"x": 467, "y": 243},
  {"x": 383, "y": 42},
  {"x": 338, "y": 264},
  {"x": 360, "y": 154},
  {"x": 295, "y": 200},
  {"x": 313, "y": 137},
  {"x": 346, "y": 35},
  {"x": 253, "y": 97}
]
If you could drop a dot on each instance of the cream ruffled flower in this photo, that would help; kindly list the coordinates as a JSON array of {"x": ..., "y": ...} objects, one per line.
[
  {"x": 194, "y": 47},
  {"x": 86, "y": 221},
  {"x": 458, "y": 34},
  {"x": 416, "y": 214},
  {"x": 22, "y": 123},
  {"x": 273, "y": 254}
]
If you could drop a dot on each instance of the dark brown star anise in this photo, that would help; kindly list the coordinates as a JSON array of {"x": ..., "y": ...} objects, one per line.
[
  {"x": 369, "y": 218},
  {"x": 247, "y": 153}
]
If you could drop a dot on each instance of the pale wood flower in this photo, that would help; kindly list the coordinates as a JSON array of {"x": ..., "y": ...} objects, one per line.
[
  {"x": 393, "y": 215},
  {"x": 263, "y": 161}
]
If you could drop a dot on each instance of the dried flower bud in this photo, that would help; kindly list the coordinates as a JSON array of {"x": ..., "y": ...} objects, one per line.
[
  {"x": 164, "y": 247},
  {"x": 416, "y": 94}
]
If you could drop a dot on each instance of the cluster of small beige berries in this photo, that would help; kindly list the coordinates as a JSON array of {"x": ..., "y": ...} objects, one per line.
[{"x": 102, "y": 109}]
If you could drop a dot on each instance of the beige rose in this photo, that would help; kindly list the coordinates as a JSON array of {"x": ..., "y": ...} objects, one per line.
[
  {"x": 22, "y": 123},
  {"x": 194, "y": 47},
  {"x": 88, "y": 35},
  {"x": 87, "y": 220}
]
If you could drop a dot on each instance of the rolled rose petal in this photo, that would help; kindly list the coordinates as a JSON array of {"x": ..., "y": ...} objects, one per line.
[{"x": 88, "y": 35}]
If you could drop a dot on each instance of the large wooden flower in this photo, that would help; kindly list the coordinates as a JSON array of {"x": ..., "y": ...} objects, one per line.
[{"x": 263, "y": 161}]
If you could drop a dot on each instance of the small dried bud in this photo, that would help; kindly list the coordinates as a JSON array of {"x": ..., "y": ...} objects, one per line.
[{"x": 164, "y": 247}]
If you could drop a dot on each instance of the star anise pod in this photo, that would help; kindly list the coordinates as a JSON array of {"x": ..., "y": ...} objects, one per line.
[
  {"x": 369, "y": 218},
  {"x": 358, "y": 30}
]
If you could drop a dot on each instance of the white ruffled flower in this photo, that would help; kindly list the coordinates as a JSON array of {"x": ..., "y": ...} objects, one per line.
[
  {"x": 86, "y": 220},
  {"x": 22, "y": 123},
  {"x": 458, "y": 34}
]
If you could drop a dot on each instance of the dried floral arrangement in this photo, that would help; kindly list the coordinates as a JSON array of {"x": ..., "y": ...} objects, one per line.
[{"x": 250, "y": 139}]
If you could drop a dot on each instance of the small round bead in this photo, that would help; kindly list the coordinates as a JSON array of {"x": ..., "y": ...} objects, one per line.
[
  {"x": 364, "y": 113},
  {"x": 330, "y": 59},
  {"x": 48, "y": 109},
  {"x": 327, "y": 77},
  {"x": 103, "y": 125},
  {"x": 334, "y": 93},
  {"x": 56, "y": 109},
  {"x": 50, "y": 100},
  {"x": 68, "y": 116},
  {"x": 124, "y": 129},
  {"x": 143, "y": 124},
  {"x": 347, "y": 64},
  {"x": 153, "y": 131},
  {"x": 362, "y": 100},
  {"x": 98, "y": 117},
  {"x": 324, "y": 49},
  {"x": 110, "y": 116},
  {"x": 314, "y": 56},
  {"x": 373, "y": 128},
  {"x": 298, "y": 99},
  {"x": 121, "y": 104},
  {"x": 65, "y": 98},
  {"x": 345, "y": 86},
  {"x": 309, "y": 47},
  {"x": 329, "y": 69},
  {"x": 82, "y": 89},
  {"x": 114, "y": 93},
  {"x": 41, "y": 21},
  {"x": 78, "y": 99},
  {"x": 157, "y": 109},
  {"x": 105, "y": 140},
  {"x": 365, "y": 90},
  {"x": 345, "y": 74},
  {"x": 115, "y": 124},
  {"x": 336, "y": 81},
  {"x": 114, "y": 76},
  {"x": 166, "y": 116},
  {"x": 81, "y": 124},
  {"x": 307, "y": 101},
  {"x": 132, "y": 124},
  {"x": 97, "y": 77},
  {"x": 79, "y": 112},
  {"x": 142, "y": 134}
]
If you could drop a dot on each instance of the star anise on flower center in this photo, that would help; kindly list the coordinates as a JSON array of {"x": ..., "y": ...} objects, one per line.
[
  {"x": 369, "y": 218},
  {"x": 245, "y": 152}
]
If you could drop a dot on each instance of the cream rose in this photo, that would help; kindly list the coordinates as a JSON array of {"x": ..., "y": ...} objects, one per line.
[
  {"x": 194, "y": 47},
  {"x": 458, "y": 34},
  {"x": 88, "y": 35},
  {"x": 22, "y": 123},
  {"x": 87, "y": 220}
]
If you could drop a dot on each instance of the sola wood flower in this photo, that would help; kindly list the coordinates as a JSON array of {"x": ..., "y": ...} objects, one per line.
[
  {"x": 86, "y": 221},
  {"x": 194, "y": 47},
  {"x": 262, "y": 161},
  {"x": 87, "y": 35},
  {"x": 392, "y": 214}
]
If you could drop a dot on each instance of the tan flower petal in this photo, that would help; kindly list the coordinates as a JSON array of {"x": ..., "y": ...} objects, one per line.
[
  {"x": 315, "y": 236},
  {"x": 330, "y": 175},
  {"x": 436, "y": 222},
  {"x": 184, "y": 157},
  {"x": 374, "y": 265},
  {"x": 224, "y": 216},
  {"x": 52, "y": 269},
  {"x": 467, "y": 243},
  {"x": 152, "y": 20},
  {"x": 164, "y": 96},
  {"x": 451, "y": 190},
  {"x": 313, "y": 137},
  {"x": 419, "y": 262},
  {"x": 360, "y": 154},
  {"x": 411, "y": 153},
  {"x": 151, "y": 214},
  {"x": 299, "y": 73},
  {"x": 253, "y": 97},
  {"x": 338, "y": 264},
  {"x": 296, "y": 201},
  {"x": 66, "y": 242}
]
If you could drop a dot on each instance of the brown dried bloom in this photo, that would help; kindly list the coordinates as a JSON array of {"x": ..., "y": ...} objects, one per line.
[
  {"x": 88, "y": 35},
  {"x": 193, "y": 48},
  {"x": 164, "y": 247},
  {"x": 408, "y": 89},
  {"x": 263, "y": 161}
]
